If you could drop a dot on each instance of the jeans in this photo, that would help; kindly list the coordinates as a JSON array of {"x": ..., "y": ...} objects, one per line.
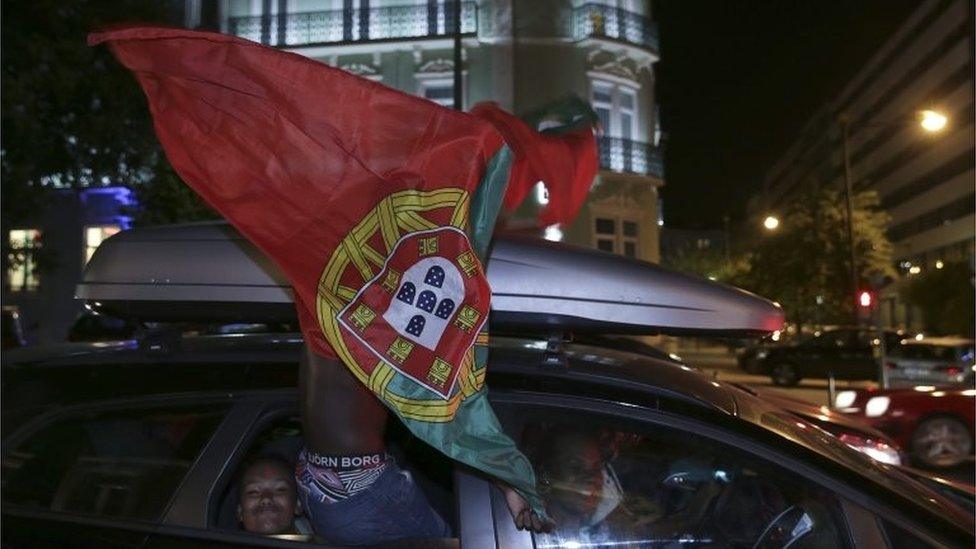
[{"x": 393, "y": 507}]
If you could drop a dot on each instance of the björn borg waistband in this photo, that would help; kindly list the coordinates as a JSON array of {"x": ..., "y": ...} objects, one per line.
[{"x": 341, "y": 463}]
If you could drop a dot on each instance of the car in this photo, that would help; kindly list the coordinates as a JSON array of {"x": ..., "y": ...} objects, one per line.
[
  {"x": 855, "y": 434},
  {"x": 159, "y": 467},
  {"x": 627, "y": 448},
  {"x": 842, "y": 352},
  {"x": 94, "y": 326},
  {"x": 940, "y": 361},
  {"x": 935, "y": 425}
]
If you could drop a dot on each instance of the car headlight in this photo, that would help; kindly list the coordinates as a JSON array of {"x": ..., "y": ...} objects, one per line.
[
  {"x": 844, "y": 399},
  {"x": 877, "y": 406}
]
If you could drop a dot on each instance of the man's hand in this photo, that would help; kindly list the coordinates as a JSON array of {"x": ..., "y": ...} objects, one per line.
[{"x": 525, "y": 518}]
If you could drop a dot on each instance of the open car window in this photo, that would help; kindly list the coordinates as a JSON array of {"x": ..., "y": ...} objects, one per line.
[
  {"x": 280, "y": 435},
  {"x": 120, "y": 463},
  {"x": 647, "y": 485}
]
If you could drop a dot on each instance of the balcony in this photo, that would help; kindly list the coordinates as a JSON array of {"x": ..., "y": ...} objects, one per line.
[
  {"x": 356, "y": 25},
  {"x": 600, "y": 21},
  {"x": 629, "y": 156}
]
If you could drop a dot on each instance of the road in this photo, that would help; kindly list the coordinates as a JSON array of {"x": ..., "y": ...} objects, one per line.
[{"x": 722, "y": 366}]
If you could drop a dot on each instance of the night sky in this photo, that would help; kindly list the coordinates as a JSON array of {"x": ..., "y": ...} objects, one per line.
[{"x": 738, "y": 78}]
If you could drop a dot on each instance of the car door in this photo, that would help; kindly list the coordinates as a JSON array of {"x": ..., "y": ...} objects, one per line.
[
  {"x": 612, "y": 475},
  {"x": 104, "y": 474},
  {"x": 863, "y": 357},
  {"x": 817, "y": 356}
]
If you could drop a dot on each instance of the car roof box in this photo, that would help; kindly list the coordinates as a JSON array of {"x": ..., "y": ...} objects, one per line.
[{"x": 208, "y": 271}]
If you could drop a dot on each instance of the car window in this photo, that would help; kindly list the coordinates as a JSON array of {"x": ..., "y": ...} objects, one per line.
[
  {"x": 657, "y": 486},
  {"x": 899, "y": 538},
  {"x": 112, "y": 464},
  {"x": 280, "y": 435},
  {"x": 924, "y": 352},
  {"x": 830, "y": 340}
]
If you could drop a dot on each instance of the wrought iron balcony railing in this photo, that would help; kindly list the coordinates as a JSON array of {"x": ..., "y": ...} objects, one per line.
[
  {"x": 629, "y": 156},
  {"x": 598, "y": 20},
  {"x": 355, "y": 25}
]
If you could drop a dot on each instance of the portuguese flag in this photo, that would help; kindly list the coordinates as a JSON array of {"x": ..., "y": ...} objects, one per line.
[{"x": 376, "y": 204}]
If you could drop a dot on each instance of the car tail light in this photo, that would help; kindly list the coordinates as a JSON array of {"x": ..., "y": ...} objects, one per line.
[
  {"x": 951, "y": 370},
  {"x": 878, "y": 450}
]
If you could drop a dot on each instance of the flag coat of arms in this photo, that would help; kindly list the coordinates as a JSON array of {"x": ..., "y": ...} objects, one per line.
[{"x": 377, "y": 205}]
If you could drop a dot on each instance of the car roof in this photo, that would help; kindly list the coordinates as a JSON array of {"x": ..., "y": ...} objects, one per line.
[
  {"x": 173, "y": 271},
  {"x": 514, "y": 360}
]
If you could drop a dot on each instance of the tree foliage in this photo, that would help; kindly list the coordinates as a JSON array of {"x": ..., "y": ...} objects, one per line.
[
  {"x": 946, "y": 298},
  {"x": 804, "y": 264},
  {"x": 72, "y": 117}
]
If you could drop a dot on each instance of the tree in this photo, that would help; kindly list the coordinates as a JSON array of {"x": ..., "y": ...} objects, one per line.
[
  {"x": 72, "y": 117},
  {"x": 710, "y": 263},
  {"x": 805, "y": 264},
  {"x": 946, "y": 298}
]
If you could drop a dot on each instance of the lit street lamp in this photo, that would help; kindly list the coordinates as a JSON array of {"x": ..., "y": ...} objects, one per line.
[
  {"x": 771, "y": 222},
  {"x": 931, "y": 121}
]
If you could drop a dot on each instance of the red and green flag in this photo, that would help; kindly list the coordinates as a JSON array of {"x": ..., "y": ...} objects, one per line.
[
  {"x": 562, "y": 156},
  {"x": 377, "y": 205}
]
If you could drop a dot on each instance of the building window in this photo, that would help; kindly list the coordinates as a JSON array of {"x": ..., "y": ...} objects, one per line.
[
  {"x": 22, "y": 275},
  {"x": 94, "y": 237},
  {"x": 620, "y": 236},
  {"x": 437, "y": 87},
  {"x": 616, "y": 106}
]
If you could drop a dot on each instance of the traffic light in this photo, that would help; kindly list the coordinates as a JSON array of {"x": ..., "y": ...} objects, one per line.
[{"x": 865, "y": 299}]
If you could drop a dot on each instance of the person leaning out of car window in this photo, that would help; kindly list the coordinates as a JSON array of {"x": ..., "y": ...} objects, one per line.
[{"x": 268, "y": 499}]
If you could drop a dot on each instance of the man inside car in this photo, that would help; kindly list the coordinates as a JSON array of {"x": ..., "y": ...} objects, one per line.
[{"x": 268, "y": 498}]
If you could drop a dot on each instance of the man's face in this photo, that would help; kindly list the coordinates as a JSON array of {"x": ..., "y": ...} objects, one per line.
[
  {"x": 576, "y": 472},
  {"x": 268, "y": 500}
]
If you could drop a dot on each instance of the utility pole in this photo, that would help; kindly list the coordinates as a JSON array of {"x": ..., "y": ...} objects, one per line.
[
  {"x": 848, "y": 192},
  {"x": 458, "y": 92},
  {"x": 728, "y": 239}
]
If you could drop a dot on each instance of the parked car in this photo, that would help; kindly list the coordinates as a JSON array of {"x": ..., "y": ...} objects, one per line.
[
  {"x": 845, "y": 353},
  {"x": 934, "y": 425},
  {"x": 95, "y": 326},
  {"x": 662, "y": 452},
  {"x": 855, "y": 434},
  {"x": 940, "y": 361}
]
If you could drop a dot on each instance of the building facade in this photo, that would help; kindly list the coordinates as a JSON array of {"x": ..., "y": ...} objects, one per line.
[
  {"x": 925, "y": 180},
  {"x": 519, "y": 53},
  {"x": 64, "y": 236}
]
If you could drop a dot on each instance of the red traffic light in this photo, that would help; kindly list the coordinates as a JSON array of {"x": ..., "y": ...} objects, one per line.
[{"x": 865, "y": 299}]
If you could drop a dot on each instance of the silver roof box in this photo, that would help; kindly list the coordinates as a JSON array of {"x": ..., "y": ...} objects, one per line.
[{"x": 208, "y": 271}]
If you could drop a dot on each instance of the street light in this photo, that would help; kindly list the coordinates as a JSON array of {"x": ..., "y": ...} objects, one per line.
[
  {"x": 931, "y": 121},
  {"x": 771, "y": 222}
]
